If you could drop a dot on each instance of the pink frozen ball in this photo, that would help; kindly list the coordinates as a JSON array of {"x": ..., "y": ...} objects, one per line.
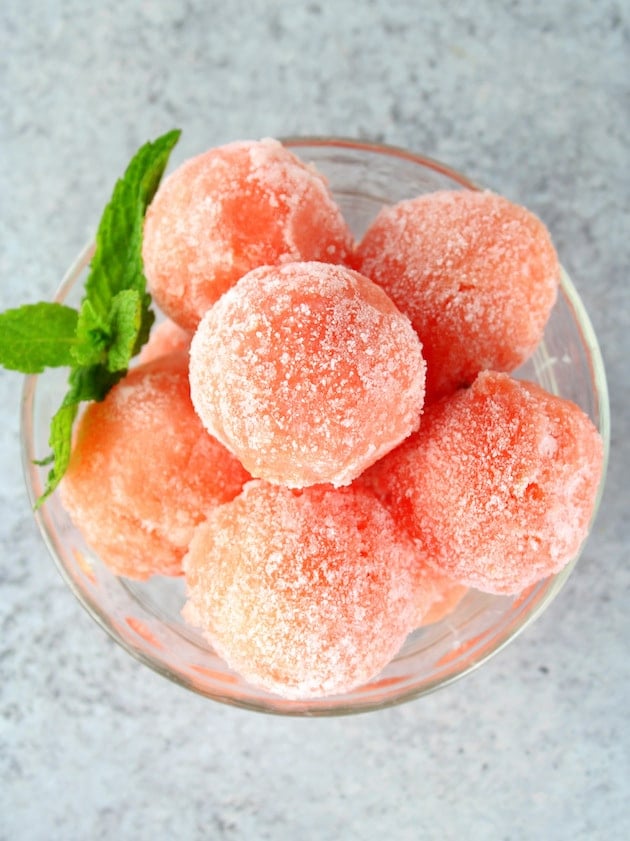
[
  {"x": 144, "y": 471},
  {"x": 436, "y": 595},
  {"x": 229, "y": 210},
  {"x": 304, "y": 593},
  {"x": 499, "y": 484},
  {"x": 166, "y": 337},
  {"x": 308, "y": 373},
  {"x": 476, "y": 274}
]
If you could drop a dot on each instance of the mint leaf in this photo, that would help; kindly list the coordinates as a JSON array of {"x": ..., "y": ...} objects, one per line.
[
  {"x": 148, "y": 317},
  {"x": 91, "y": 382},
  {"x": 60, "y": 441},
  {"x": 92, "y": 336},
  {"x": 37, "y": 336},
  {"x": 115, "y": 316},
  {"x": 126, "y": 319},
  {"x": 117, "y": 261}
]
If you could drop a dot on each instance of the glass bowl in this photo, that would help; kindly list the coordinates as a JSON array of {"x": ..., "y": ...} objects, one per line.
[{"x": 145, "y": 618}]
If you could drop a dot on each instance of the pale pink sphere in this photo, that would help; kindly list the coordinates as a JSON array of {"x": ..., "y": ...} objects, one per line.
[
  {"x": 144, "y": 471},
  {"x": 435, "y": 594},
  {"x": 498, "y": 486},
  {"x": 476, "y": 274},
  {"x": 166, "y": 337},
  {"x": 229, "y": 210},
  {"x": 304, "y": 593},
  {"x": 308, "y": 373}
]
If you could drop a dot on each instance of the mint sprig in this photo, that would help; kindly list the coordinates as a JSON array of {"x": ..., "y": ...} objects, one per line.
[{"x": 113, "y": 321}]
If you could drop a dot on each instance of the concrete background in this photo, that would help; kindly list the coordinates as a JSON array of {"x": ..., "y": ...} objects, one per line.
[{"x": 529, "y": 98}]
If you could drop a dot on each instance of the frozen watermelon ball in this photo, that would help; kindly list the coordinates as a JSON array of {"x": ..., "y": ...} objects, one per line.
[
  {"x": 166, "y": 337},
  {"x": 476, "y": 274},
  {"x": 436, "y": 595},
  {"x": 499, "y": 484},
  {"x": 144, "y": 471},
  {"x": 304, "y": 593},
  {"x": 307, "y": 372},
  {"x": 229, "y": 210}
]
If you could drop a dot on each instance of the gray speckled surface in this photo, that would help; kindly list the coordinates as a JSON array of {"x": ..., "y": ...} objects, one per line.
[{"x": 531, "y": 99}]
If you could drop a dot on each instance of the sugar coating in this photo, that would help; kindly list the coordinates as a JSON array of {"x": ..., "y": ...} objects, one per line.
[
  {"x": 476, "y": 274},
  {"x": 229, "y": 210},
  {"x": 308, "y": 373},
  {"x": 144, "y": 471},
  {"x": 304, "y": 593},
  {"x": 166, "y": 337},
  {"x": 499, "y": 484}
]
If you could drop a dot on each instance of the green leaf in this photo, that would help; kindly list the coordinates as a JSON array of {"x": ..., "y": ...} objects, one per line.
[
  {"x": 125, "y": 321},
  {"x": 115, "y": 315},
  {"x": 117, "y": 261},
  {"x": 37, "y": 336},
  {"x": 92, "y": 336},
  {"x": 60, "y": 442},
  {"x": 148, "y": 317},
  {"x": 91, "y": 382}
]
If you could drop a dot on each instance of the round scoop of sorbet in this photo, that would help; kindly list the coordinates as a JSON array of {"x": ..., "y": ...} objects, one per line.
[
  {"x": 304, "y": 593},
  {"x": 436, "y": 595},
  {"x": 144, "y": 471},
  {"x": 308, "y": 373},
  {"x": 476, "y": 274},
  {"x": 498, "y": 486},
  {"x": 166, "y": 337},
  {"x": 229, "y": 210}
]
